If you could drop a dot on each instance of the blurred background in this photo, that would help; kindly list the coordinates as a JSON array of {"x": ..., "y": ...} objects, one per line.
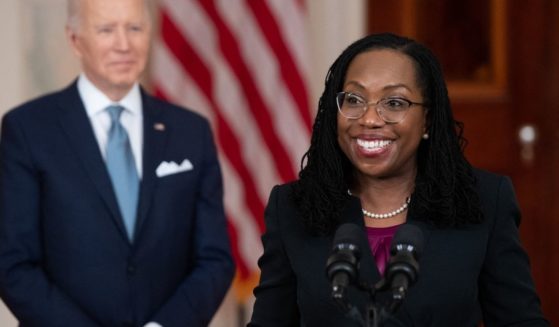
[{"x": 255, "y": 69}]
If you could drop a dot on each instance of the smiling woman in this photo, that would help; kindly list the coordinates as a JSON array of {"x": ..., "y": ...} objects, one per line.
[
  {"x": 399, "y": 164},
  {"x": 383, "y": 150}
]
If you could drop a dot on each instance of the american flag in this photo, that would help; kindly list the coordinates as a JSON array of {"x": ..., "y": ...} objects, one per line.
[{"x": 243, "y": 65}]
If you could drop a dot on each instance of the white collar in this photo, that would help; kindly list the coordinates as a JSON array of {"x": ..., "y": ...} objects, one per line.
[{"x": 95, "y": 101}]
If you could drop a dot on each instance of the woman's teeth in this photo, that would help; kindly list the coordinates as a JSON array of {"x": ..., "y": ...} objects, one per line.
[{"x": 373, "y": 145}]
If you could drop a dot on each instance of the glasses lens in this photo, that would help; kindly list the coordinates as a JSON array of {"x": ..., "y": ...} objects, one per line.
[
  {"x": 350, "y": 105},
  {"x": 393, "y": 110}
]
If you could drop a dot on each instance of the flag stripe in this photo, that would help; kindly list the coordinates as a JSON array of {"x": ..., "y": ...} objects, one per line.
[
  {"x": 176, "y": 85},
  {"x": 265, "y": 70},
  {"x": 229, "y": 98},
  {"x": 290, "y": 74},
  {"x": 249, "y": 244},
  {"x": 242, "y": 269},
  {"x": 291, "y": 17},
  {"x": 230, "y": 51},
  {"x": 194, "y": 66}
]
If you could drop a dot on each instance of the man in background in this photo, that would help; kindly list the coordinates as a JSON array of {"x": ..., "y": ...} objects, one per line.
[{"x": 111, "y": 207}]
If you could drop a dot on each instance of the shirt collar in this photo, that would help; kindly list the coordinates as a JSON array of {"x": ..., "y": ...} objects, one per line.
[{"x": 95, "y": 101}]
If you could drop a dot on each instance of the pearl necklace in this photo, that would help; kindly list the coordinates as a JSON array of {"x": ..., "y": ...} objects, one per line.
[{"x": 388, "y": 214}]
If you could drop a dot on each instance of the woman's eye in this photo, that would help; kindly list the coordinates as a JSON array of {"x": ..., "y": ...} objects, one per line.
[
  {"x": 353, "y": 100},
  {"x": 395, "y": 103}
]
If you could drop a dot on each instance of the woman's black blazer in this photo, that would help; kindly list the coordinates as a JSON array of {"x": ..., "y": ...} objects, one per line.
[{"x": 467, "y": 275}]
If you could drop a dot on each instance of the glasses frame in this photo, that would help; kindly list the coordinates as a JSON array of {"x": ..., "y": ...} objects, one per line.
[{"x": 377, "y": 108}]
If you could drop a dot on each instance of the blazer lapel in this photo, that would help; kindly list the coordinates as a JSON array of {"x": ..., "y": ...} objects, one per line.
[
  {"x": 77, "y": 127},
  {"x": 421, "y": 222},
  {"x": 368, "y": 272},
  {"x": 155, "y": 138},
  {"x": 368, "y": 268}
]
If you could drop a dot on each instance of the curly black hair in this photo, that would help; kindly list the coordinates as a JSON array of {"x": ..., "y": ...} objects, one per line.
[{"x": 445, "y": 193}]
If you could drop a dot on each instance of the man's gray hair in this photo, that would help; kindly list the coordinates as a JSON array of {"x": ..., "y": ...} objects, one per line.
[{"x": 74, "y": 7}]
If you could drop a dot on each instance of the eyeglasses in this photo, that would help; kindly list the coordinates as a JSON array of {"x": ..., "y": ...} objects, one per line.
[{"x": 391, "y": 110}]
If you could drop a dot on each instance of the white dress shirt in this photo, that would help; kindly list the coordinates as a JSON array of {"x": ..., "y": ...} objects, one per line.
[{"x": 96, "y": 103}]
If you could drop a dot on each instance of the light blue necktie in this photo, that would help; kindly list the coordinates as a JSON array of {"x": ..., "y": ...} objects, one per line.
[{"x": 122, "y": 169}]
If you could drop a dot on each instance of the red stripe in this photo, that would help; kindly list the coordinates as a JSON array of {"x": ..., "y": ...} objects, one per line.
[
  {"x": 242, "y": 269},
  {"x": 195, "y": 67},
  {"x": 289, "y": 71},
  {"x": 230, "y": 51},
  {"x": 157, "y": 92}
]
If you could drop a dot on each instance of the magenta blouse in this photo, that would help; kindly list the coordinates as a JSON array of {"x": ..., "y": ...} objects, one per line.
[{"x": 379, "y": 241}]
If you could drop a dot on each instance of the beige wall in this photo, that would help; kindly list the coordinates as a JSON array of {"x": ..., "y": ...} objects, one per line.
[{"x": 36, "y": 59}]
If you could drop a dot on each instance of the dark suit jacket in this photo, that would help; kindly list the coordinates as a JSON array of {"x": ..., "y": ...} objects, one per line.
[
  {"x": 65, "y": 259},
  {"x": 466, "y": 274}
]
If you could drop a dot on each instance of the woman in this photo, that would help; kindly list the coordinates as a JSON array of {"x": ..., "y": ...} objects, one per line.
[{"x": 386, "y": 151}]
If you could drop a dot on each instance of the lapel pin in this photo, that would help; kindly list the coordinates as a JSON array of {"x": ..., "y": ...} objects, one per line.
[{"x": 159, "y": 127}]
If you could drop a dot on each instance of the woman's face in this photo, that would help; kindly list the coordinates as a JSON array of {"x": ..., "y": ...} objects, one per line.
[{"x": 375, "y": 148}]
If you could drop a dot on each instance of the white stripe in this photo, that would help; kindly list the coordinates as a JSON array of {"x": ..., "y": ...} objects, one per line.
[
  {"x": 249, "y": 244},
  {"x": 265, "y": 71},
  {"x": 291, "y": 18},
  {"x": 168, "y": 74},
  {"x": 199, "y": 30}
]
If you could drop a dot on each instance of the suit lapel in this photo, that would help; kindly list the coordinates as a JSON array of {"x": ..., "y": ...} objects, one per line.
[
  {"x": 415, "y": 219},
  {"x": 155, "y": 138},
  {"x": 368, "y": 268},
  {"x": 77, "y": 127},
  {"x": 368, "y": 272}
]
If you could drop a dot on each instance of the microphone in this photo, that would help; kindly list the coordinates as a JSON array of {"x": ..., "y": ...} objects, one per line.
[
  {"x": 402, "y": 269},
  {"x": 343, "y": 264}
]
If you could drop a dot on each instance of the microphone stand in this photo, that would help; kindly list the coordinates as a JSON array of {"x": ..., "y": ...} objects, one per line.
[
  {"x": 377, "y": 314},
  {"x": 350, "y": 310}
]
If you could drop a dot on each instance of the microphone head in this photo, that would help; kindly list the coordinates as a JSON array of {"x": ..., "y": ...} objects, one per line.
[
  {"x": 408, "y": 237},
  {"x": 348, "y": 234},
  {"x": 403, "y": 267},
  {"x": 342, "y": 265}
]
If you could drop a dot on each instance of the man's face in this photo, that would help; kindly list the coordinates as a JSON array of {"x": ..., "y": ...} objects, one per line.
[{"x": 112, "y": 40}]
